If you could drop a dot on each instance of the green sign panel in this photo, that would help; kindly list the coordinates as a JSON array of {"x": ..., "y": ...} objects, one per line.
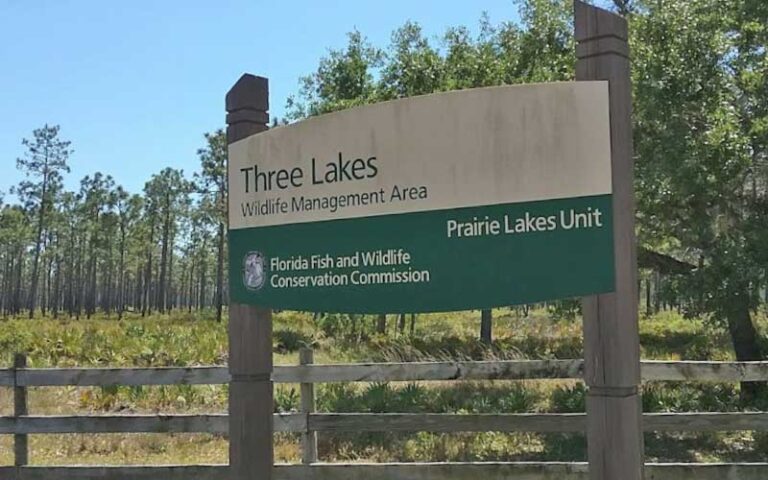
[{"x": 461, "y": 200}]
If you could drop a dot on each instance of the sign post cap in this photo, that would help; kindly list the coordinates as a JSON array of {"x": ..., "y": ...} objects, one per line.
[
  {"x": 597, "y": 22},
  {"x": 250, "y": 92}
]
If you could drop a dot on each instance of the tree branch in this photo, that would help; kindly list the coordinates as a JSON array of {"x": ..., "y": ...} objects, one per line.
[{"x": 662, "y": 263}]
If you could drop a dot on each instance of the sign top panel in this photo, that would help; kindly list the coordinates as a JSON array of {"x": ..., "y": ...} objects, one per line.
[{"x": 470, "y": 148}]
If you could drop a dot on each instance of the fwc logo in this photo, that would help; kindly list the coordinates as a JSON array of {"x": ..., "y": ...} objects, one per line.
[{"x": 254, "y": 272}]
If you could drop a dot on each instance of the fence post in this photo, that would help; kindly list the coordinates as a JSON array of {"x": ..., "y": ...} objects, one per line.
[
  {"x": 20, "y": 447},
  {"x": 251, "y": 455},
  {"x": 308, "y": 438},
  {"x": 611, "y": 339}
]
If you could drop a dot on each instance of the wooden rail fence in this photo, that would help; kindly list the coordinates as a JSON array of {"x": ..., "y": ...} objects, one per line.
[{"x": 307, "y": 422}]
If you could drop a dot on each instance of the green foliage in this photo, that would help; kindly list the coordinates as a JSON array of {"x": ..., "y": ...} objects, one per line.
[
  {"x": 44, "y": 163},
  {"x": 173, "y": 341},
  {"x": 570, "y": 399},
  {"x": 700, "y": 171},
  {"x": 343, "y": 79},
  {"x": 413, "y": 66},
  {"x": 567, "y": 309},
  {"x": 335, "y": 325},
  {"x": 289, "y": 340},
  {"x": 337, "y": 397},
  {"x": 559, "y": 446},
  {"x": 670, "y": 334},
  {"x": 689, "y": 397},
  {"x": 538, "y": 50},
  {"x": 287, "y": 399},
  {"x": 464, "y": 397}
]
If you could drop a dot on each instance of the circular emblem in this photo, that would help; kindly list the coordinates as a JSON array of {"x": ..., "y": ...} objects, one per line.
[{"x": 254, "y": 272}]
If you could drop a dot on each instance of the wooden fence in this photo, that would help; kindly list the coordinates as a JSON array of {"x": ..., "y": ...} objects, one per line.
[{"x": 307, "y": 422}]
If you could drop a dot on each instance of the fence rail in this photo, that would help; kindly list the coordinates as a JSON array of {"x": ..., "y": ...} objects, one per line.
[
  {"x": 390, "y": 471},
  {"x": 381, "y": 372},
  {"x": 378, "y": 422},
  {"x": 307, "y": 422}
]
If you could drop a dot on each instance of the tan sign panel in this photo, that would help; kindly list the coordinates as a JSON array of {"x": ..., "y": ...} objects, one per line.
[{"x": 448, "y": 150}]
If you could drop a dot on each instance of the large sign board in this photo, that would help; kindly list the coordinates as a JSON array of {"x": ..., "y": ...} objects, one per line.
[{"x": 453, "y": 201}]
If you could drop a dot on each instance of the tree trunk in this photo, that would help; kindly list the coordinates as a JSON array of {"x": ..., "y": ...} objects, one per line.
[
  {"x": 381, "y": 323},
  {"x": 17, "y": 290},
  {"x": 648, "y": 308},
  {"x": 201, "y": 288},
  {"x": 486, "y": 326},
  {"x": 57, "y": 287},
  {"x": 47, "y": 285},
  {"x": 148, "y": 299},
  {"x": 90, "y": 307},
  {"x": 147, "y": 308},
  {"x": 8, "y": 265},
  {"x": 38, "y": 243},
  {"x": 170, "y": 293},
  {"x": 162, "y": 292},
  {"x": 69, "y": 295},
  {"x": 106, "y": 283},
  {"x": 121, "y": 277},
  {"x": 745, "y": 343},
  {"x": 191, "y": 293}
]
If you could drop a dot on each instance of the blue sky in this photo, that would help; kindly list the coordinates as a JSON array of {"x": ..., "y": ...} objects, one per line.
[{"x": 134, "y": 84}]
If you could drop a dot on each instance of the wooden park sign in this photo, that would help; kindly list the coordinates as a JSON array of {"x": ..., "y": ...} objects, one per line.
[{"x": 452, "y": 201}]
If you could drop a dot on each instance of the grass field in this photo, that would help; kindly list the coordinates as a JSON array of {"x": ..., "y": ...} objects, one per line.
[{"x": 184, "y": 340}]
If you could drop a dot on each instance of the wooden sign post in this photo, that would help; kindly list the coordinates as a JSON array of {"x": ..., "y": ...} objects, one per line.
[
  {"x": 250, "y": 327},
  {"x": 611, "y": 340}
]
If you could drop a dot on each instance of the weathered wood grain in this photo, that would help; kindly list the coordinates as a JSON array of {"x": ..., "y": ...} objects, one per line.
[
  {"x": 430, "y": 371},
  {"x": 518, "y": 471},
  {"x": 611, "y": 333},
  {"x": 434, "y": 471},
  {"x": 526, "y": 422},
  {"x": 216, "y": 423},
  {"x": 308, "y": 438},
  {"x": 251, "y": 392},
  {"x": 704, "y": 371},
  {"x": 123, "y": 376},
  {"x": 706, "y": 471},
  {"x": 169, "y": 472},
  {"x": 290, "y": 422},
  {"x": 705, "y": 422},
  {"x": 20, "y": 441},
  {"x": 6, "y": 378},
  {"x": 445, "y": 422},
  {"x": 392, "y": 471},
  {"x": 379, "y": 422},
  {"x": 362, "y": 372},
  {"x": 652, "y": 370},
  {"x": 212, "y": 423}
]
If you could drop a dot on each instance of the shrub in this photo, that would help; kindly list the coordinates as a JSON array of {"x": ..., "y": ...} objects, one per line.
[
  {"x": 290, "y": 340},
  {"x": 570, "y": 399},
  {"x": 689, "y": 397}
]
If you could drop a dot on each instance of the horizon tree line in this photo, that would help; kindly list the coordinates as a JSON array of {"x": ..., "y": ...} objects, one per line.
[{"x": 101, "y": 248}]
